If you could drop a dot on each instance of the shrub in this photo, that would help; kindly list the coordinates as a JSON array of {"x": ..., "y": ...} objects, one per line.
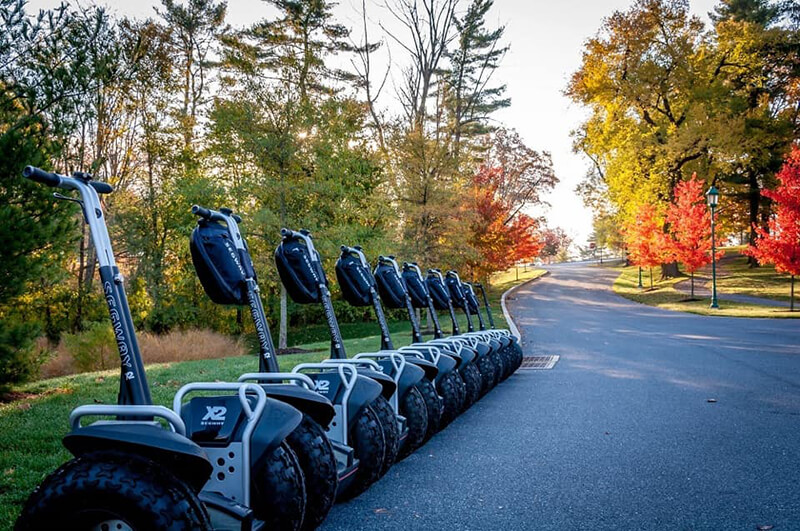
[
  {"x": 93, "y": 349},
  {"x": 19, "y": 356}
]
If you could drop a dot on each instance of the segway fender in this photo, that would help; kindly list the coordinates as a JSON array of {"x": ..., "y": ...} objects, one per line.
[
  {"x": 309, "y": 402},
  {"x": 468, "y": 355},
  {"x": 277, "y": 422},
  {"x": 431, "y": 370},
  {"x": 482, "y": 348},
  {"x": 388, "y": 387},
  {"x": 364, "y": 392},
  {"x": 174, "y": 452},
  {"x": 446, "y": 365},
  {"x": 410, "y": 377}
]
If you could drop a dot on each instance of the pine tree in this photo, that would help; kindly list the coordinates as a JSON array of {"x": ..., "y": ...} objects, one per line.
[{"x": 470, "y": 97}]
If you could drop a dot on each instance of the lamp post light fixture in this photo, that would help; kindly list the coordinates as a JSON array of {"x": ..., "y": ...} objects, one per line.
[{"x": 712, "y": 198}]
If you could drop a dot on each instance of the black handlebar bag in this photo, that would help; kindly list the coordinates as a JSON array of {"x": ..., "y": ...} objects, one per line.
[
  {"x": 390, "y": 286},
  {"x": 471, "y": 299},
  {"x": 221, "y": 268},
  {"x": 438, "y": 292},
  {"x": 416, "y": 288},
  {"x": 301, "y": 276},
  {"x": 355, "y": 280},
  {"x": 456, "y": 293}
]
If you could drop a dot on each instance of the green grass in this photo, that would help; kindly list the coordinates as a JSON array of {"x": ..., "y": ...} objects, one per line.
[
  {"x": 664, "y": 295},
  {"x": 736, "y": 276},
  {"x": 32, "y": 426}
]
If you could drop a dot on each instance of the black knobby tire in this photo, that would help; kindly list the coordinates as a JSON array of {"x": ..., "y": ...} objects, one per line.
[
  {"x": 391, "y": 433},
  {"x": 487, "y": 369},
  {"x": 473, "y": 383},
  {"x": 500, "y": 367},
  {"x": 318, "y": 462},
  {"x": 461, "y": 388},
  {"x": 449, "y": 392},
  {"x": 278, "y": 490},
  {"x": 518, "y": 355},
  {"x": 366, "y": 439},
  {"x": 433, "y": 405},
  {"x": 412, "y": 407},
  {"x": 103, "y": 486},
  {"x": 508, "y": 360}
]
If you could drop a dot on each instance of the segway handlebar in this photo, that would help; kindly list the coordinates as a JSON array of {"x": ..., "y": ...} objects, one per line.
[
  {"x": 60, "y": 181},
  {"x": 356, "y": 250},
  {"x": 213, "y": 215}
]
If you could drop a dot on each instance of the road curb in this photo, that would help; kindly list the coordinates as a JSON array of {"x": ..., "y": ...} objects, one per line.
[{"x": 511, "y": 325}]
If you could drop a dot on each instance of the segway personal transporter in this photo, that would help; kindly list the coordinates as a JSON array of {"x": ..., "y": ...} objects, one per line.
[
  {"x": 516, "y": 348},
  {"x": 300, "y": 270},
  {"x": 359, "y": 289},
  {"x": 495, "y": 337},
  {"x": 216, "y": 462},
  {"x": 441, "y": 297},
  {"x": 460, "y": 350},
  {"x": 490, "y": 363},
  {"x": 339, "y": 444},
  {"x": 394, "y": 293},
  {"x": 223, "y": 265}
]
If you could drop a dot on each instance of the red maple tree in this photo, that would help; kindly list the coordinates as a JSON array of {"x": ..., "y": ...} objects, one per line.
[
  {"x": 780, "y": 244},
  {"x": 689, "y": 219},
  {"x": 501, "y": 236},
  {"x": 644, "y": 238}
]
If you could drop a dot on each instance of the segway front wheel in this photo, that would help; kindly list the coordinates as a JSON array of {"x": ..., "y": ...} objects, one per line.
[
  {"x": 278, "y": 487},
  {"x": 113, "y": 489},
  {"x": 412, "y": 407},
  {"x": 315, "y": 455},
  {"x": 391, "y": 432},
  {"x": 433, "y": 405},
  {"x": 449, "y": 391},
  {"x": 473, "y": 382},
  {"x": 366, "y": 439}
]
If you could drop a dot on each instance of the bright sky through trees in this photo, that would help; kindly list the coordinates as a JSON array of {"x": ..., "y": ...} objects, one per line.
[{"x": 546, "y": 41}]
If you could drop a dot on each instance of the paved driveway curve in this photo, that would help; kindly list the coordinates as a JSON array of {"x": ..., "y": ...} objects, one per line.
[{"x": 621, "y": 434}]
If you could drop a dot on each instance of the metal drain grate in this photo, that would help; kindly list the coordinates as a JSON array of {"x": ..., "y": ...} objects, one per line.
[{"x": 539, "y": 363}]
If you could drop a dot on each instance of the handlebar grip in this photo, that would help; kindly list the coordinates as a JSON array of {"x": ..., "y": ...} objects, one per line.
[
  {"x": 101, "y": 188},
  {"x": 287, "y": 233},
  {"x": 41, "y": 176},
  {"x": 204, "y": 213}
]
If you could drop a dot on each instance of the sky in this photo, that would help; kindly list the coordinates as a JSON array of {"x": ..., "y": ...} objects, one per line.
[{"x": 546, "y": 40}]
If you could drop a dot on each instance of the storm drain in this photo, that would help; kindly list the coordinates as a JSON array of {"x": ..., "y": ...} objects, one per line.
[{"x": 539, "y": 363}]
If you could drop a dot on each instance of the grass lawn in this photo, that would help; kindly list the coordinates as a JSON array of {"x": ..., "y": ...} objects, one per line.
[
  {"x": 737, "y": 277},
  {"x": 664, "y": 295},
  {"x": 31, "y": 427}
]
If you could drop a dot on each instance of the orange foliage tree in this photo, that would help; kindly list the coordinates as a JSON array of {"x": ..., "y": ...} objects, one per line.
[
  {"x": 644, "y": 238},
  {"x": 780, "y": 245},
  {"x": 689, "y": 220},
  {"x": 500, "y": 236}
]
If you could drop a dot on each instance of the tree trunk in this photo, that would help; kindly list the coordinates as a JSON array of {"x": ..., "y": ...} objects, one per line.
[
  {"x": 651, "y": 278},
  {"x": 754, "y": 200},
  {"x": 670, "y": 270},
  {"x": 282, "y": 326},
  {"x": 692, "y": 296},
  {"x": 791, "y": 297}
]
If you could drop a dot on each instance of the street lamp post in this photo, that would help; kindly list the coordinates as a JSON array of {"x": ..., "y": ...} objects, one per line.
[{"x": 712, "y": 196}]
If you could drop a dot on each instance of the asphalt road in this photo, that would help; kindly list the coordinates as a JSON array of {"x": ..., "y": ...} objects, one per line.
[{"x": 620, "y": 434}]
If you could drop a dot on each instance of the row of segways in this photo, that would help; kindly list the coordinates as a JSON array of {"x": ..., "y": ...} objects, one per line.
[{"x": 276, "y": 449}]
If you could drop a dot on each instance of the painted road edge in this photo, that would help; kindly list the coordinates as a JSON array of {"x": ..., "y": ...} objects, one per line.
[{"x": 511, "y": 325}]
